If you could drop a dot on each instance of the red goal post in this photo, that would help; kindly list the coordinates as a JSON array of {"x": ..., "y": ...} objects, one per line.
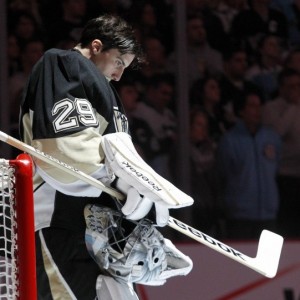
[{"x": 17, "y": 240}]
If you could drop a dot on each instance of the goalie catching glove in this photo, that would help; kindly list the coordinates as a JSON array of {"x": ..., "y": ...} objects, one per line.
[
  {"x": 141, "y": 184},
  {"x": 141, "y": 255}
]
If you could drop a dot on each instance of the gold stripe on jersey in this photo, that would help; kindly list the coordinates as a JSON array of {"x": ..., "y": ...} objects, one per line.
[{"x": 59, "y": 287}]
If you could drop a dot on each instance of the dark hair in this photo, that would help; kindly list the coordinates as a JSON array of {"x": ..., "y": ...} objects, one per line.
[
  {"x": 163, "y": 78},
  {"x": 33, "y": 40},
  {"x": 290, "y": 55},
  {"x": 114, "y": 33},
  {"x": 16, "y": 18},
  {"x": 286, "y": 73},
  {"x": 194, "y": 16},
  {"x": 232, "y": 47},
  {"x": 264, "y": 38},
  {"x": 240, "y": 104},
  {"x": 127, "y": 81},
  {"x": 196, "y": 91},
  {"x": 195, "y": 111}
]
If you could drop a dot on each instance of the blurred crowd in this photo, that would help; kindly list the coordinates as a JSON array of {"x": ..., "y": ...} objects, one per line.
[{"x": 243, "y": 63}]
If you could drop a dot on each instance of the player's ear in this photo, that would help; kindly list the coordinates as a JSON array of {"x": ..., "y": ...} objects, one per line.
[{"x": 96, "y": 46}]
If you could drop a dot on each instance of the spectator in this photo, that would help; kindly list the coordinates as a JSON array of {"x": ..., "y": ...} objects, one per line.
[
  {"x": 25, "y": 27},
  {"x": 204, "y": 180},
  {"x": 152, "y": 18},
  {"x": 291, "y": 10},
  {"x": 226, "y": 10},
  {"x": 233, "y": 81},
  {"x": 206, "y": 94},
  {"x": 156, "y": 56},
  {"x": 144, "y": 16},
  {"x": 156, "y": 62},
  {"x": 30, "y": 6},
  {"x": 249, "y": 155},
  {"x": 155, "y": 110},
  {"x": 203, "y": 174},
  {"x": 283, "y": 115},
  {"x": 201, "y": 57},
  {"x": 140, "y": 131},
  {"x": 13, "y": 54},
  {"x": 32, "y": 52},
  {"x": 259, "y": 19},
  {"x": 292, "y": 60},
  {"x": 51, "y": 11},
  {"x": 216, "y": 35},
  {"x": 264, "y": 73},
  {"x": 70, "y": 24}
]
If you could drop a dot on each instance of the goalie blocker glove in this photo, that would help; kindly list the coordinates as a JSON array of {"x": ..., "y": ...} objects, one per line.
[{"x": 141, "y": 184}]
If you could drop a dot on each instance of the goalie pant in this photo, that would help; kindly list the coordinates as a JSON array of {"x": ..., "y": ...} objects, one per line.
[{"x": 54, "y": 259}]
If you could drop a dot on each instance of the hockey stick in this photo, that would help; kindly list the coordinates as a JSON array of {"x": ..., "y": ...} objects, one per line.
[{"x": 269, "y": 246}]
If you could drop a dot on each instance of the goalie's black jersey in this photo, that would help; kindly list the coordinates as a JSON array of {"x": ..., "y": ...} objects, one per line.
[{"x": 67, "y": 106}]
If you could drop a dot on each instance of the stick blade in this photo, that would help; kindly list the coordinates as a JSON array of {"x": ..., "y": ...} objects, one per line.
[{"x": 268, "y": 253}]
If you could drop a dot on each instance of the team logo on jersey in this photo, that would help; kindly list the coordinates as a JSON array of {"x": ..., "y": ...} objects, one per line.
[
  {"x": 73, "y": 113},
  {"x": 120, "y": 120}
]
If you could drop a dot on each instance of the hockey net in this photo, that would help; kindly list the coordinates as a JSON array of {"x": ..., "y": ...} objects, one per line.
[{"x": 17, "y": 243}]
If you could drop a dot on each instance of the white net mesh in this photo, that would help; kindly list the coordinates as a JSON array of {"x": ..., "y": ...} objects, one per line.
[{"x": 8, "y": 238}]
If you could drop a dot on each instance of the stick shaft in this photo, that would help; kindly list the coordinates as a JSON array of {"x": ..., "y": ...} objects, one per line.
[
  {"x": 59, "y": 164},
  {"x": 257, "y": 264}
]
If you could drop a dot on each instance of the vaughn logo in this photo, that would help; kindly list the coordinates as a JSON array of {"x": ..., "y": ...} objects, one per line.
[{"x": 141, "y": 176}]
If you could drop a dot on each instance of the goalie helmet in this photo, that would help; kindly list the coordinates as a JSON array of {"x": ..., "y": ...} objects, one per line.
[{"x": 141, "y": 255}]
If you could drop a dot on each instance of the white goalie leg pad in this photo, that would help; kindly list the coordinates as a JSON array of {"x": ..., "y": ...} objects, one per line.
[
  {"x": 108, "y": 288},
  {"x": 126, "y": 163}
]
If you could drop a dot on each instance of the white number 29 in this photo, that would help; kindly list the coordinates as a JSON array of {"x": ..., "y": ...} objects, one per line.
[{"x": 65, "y": 107}]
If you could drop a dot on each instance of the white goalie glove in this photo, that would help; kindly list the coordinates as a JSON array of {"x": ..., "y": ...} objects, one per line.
[{"x": 141, "y": 184}]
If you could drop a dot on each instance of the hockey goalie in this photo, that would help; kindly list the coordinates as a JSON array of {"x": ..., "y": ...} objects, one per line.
[{"x": 88, "y": 244}]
